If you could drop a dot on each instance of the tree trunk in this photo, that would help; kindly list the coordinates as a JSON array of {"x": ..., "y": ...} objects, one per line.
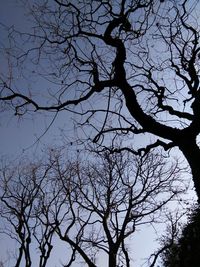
[
  {"x": 191, "y": 152},
  {"x": 112, "y": 259}
]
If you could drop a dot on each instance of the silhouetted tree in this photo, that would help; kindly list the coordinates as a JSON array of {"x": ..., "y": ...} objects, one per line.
[
  {"x": 92, "y": 205},
  {"x": 19, "y": 191},
  {"x": 134, "y": 65}
]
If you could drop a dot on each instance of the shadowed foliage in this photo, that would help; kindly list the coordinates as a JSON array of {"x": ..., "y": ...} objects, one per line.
[{"x": 183, "y": 251}]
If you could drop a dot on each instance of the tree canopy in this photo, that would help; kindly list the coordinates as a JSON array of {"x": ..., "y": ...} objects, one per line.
[
  {"x": 90, "y": 208},
  {"x": 128, "y": 68}
]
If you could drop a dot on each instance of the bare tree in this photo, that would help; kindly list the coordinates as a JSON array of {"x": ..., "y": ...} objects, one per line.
[
  {"x": 92, "y": 206},
  {"x": 168, "y": 241},
  {"x": 112, "y": 197},
  {"x": 134, "y": 64},
  {"x": 19, "y": 190}
]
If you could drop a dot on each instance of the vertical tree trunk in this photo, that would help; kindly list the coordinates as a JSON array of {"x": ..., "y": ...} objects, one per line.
[
  {"x": 112, "y": 259},
  {"x": 191, "y": 152}
]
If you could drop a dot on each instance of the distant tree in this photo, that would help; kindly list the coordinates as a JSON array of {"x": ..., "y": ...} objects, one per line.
[
  {"x": 128, "y": 67},
  {"x": 93, "y": 206},
  {"x": 183, "y": 251},
  {"x": 167, "y": 253}
]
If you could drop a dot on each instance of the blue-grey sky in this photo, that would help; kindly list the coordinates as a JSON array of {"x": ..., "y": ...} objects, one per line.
[
  {"x": 15, "y": 135},
  {"x": 19, "y": 135}
]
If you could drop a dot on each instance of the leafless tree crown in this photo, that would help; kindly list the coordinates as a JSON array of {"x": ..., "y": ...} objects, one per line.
[{"x": 91, "y": 207}]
